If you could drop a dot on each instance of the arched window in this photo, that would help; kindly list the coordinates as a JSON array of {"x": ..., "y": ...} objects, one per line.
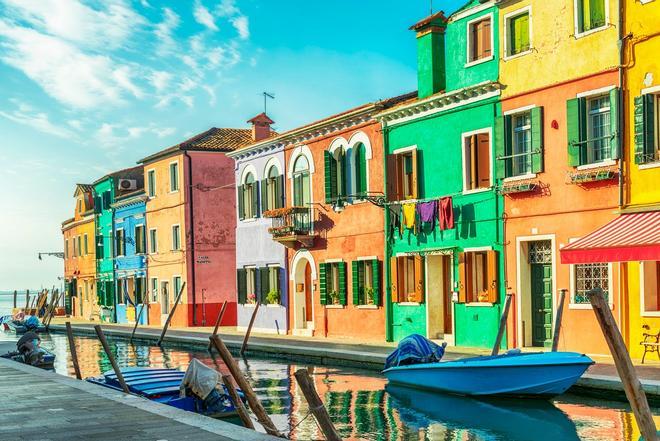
[
  {"x": 272, "y": 189},
  {"x": 360, "y": 168},
  {"x": 301, "y": 190},
  {"x": 248, "y": 198}
]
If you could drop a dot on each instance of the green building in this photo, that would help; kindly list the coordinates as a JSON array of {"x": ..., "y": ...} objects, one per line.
[{"x": 444, "y": 282}]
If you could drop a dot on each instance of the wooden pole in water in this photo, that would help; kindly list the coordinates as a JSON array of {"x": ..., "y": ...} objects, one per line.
[
  {"x": 503, "y": 319},
  {"x": 253, "y": 401},
  {"x": 137, "y": 320},
  {"x": 52, "y": 310},
  {"x": 15, "y": 298},
  {"x": 238, "y": 403},
  {"x": 631, "y": 385},
  {"x": 27, "y": 299},
  {"x": 316, "y": 405},
  {"x": 169, "y": 316},
  {"x": 249, "y": 329},
  {"x": 560, "y": 312},
  {"x": 106, "y": 348},
  {"x": 72, "y": 349},
  {"x": 217, "y": 323}
]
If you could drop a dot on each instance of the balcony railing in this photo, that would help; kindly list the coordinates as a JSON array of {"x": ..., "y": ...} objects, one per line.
[{"x": 292, "y": 225}]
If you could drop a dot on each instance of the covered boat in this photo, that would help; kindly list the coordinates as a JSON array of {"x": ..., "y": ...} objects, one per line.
[
  {"x": 194, "y": 390},
  {"x": 29, "y": 351},
  {"x": 29, "y": 323},
  {"x": 540, "y": 374}
]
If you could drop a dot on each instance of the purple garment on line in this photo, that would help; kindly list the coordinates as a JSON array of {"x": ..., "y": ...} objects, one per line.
[{"x": 427, "y": 212}]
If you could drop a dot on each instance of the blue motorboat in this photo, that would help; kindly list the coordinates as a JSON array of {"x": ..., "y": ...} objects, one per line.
[
  {"x": 164, "y": 386},
  {"x": 539, "y": 374}
]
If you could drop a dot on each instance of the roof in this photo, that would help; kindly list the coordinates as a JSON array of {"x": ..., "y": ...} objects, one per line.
[
  {"x": 215, "y": 139},
  {"x": 262, "y": 117},
  {"x": 125, "y": 173},
  {"x": 85, "y": 188},
  {"x": 629, "y": 237},
  {"x": 437, "y": 19}
]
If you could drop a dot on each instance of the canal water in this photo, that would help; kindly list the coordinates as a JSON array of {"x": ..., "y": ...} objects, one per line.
[{"x": 363, "y": 407}]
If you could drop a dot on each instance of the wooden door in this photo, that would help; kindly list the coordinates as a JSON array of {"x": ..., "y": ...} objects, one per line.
[
  {"x": 541, "y": 304},
  {"x": 448, "y": 304},
  {"x": 308, "y": 292}
]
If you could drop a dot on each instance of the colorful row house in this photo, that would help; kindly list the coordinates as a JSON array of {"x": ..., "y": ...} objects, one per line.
[{"x": 80, "y": 256}]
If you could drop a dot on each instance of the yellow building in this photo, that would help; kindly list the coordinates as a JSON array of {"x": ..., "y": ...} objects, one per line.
[{"x": 80, "y": 255}]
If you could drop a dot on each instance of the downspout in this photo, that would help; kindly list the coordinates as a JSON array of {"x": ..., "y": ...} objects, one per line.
[
  {"x": 192, "y": 236},
  {"x": 389, "y": 316},
  {"x": 622, "y": 154}
]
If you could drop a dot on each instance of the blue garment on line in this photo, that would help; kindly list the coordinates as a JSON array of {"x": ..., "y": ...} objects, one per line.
[{"x": 415, "y": 349}]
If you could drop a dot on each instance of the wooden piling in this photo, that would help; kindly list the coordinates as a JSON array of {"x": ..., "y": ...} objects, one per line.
[
  {"x": 115, "y": 367},
  {"x": 52, "y": 309},
  {"x": 249, "y": 329},
  {"x": 502, "y": 328},
  {"x": 137, "y": 320},
  {"x": 217, "y": 323},
  {"x": 169, "y": 316},
  {"x": 631, "y": 385},
  {"x": 316, "y": 405},
  {"x": 15, "y": 299},
  {"x": 27, "y": 299},
  {"x": 72, "y": 349},
  {"x": 558, "y": 317},
  {"x": 253, "y": 401},
  {"x": 238, "y": 403}
]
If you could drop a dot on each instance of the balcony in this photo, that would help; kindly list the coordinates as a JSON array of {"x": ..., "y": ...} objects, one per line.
[{"x": 292, "y": 226}]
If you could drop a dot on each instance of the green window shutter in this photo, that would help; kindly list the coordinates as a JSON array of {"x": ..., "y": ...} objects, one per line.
[
  {"x": 524, "y": 32},
  {"x": 279, "y": 191},
  {"x": 241, "y": 207},
  {"x": 375, "y": 280},
  {"x": 255, "y": 200},
  {"x": 649, "y": 125},
  {"x": 330, "y": 176},
  {"x": 323, "y": 290},
  {"x": 241, "y": 283},
  {"x": 500, "y": 147},
  {"x": 297, "y": 190},
  {"x": 343, "y": 176},
  {"x": 355, "y": 281},
  {"x": 342, "y": 283},
  {"x": 614, "y": 122},
  {"x": 264, "y": 194},
  {"x": 537, "y": 139},
  {"x": 362, "y": 166},
  {"x": 640, "y": 129},
  {"x": 575, "y": 129},
  {"x": 264, "y": 278}
]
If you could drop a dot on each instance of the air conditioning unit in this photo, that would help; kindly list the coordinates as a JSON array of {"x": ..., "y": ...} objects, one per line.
[{"x": 127, "y": 184}]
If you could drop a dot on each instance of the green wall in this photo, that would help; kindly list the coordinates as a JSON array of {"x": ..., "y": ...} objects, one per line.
[{"x": 104, "y": 228}]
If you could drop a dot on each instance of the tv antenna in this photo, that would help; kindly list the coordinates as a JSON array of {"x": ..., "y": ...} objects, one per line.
[
  {"x": 431, "y": 1},
  {"x": 266, "y": 96}
]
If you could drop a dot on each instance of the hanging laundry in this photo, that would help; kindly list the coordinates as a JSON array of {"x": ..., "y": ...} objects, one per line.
[
  {"x": 446, "y": 213},
  {"x": 395, "y": 221},
  {"x": 409, "y": 215},
  {"x": 427, "y": 212}
]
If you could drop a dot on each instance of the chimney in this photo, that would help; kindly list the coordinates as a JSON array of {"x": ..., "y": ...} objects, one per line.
[
  {"x": 430, "y": 54},
  {"x": 261, "y": 127}
]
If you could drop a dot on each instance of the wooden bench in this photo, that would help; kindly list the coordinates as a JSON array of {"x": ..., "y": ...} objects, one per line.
[{"x": 651, "y": 343}]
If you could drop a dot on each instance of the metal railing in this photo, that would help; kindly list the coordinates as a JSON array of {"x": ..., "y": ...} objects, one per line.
[{"x": 291, "y": 221}]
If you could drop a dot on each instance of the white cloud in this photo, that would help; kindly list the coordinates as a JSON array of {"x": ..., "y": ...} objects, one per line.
[
  {"x": 203, "y": 16},
  {"x": 160, "y": 80},
  {"x": 227, "y": 8},
  {"x": 241, "y": 24},
  {"x": 40, "y": 121},
  {"x": 122, "y": 76},
  {"x": 75, "y": 123},
  {"x": 165, "y": 30}
]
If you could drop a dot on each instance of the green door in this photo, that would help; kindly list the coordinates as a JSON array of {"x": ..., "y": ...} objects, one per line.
[{"x": 541, "y": 304}]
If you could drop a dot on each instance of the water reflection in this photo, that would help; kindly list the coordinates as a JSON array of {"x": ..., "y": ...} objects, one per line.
[{"x": 364, "y": 408}]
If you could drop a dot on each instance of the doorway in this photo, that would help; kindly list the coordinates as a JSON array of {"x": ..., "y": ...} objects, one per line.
[
  {"x": 440, "y": 310},
  {"x": 164, "y": 299},
  {"x": 303, "y": 276},
  {"x": 540, "y": 289}
]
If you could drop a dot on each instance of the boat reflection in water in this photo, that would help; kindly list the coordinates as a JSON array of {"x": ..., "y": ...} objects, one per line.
[{"x": 491, "y": 418}]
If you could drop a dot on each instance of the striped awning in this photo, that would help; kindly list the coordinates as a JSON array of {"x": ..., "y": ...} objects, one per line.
[{"x": 630, "y": 237}]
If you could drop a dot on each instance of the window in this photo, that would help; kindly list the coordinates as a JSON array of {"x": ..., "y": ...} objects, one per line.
[
  {"x": 598, "y": 128},
  {"x": 79, "y": 205},
  {"x": 248, "y": 198},
  {"x": 106, "y": 200},
  {"x": 407, "y": 279},
  {"x": 360, "y": 169},
  {"x": 476, "y": 161},
  {"x": 153, "y": 241},
  {"x": 590, "y": 14},
  {"x": 140, "y": 240},
  {"x": 477, "y": 276},
  {"x": 99, "y": 247},
  {"x": 335, "y": 175},
  {"x": 650, "y": 285},
  {"x": 86, "y": 245},
  {"x": 647, "y": 128},
  {"x": 588, "y": 276},
  {"x": 366, "y": 282},
  {"x": 402, "y": 168},
  {"x": 140, "y": 290},
  {"x": 176, "y": 284},
  {"x": 273, "y": 281},
  {"x": 120, "y": 242},
  {"x": 154, "y": 290},
  {"x": 66, "y": 248},
  {"x": 165, "y": 297},
  {"x": 176, "y": 238},
  {"x": 272, "y": 189},
  {"x": 73, "y": 244},
  {"x": 301, "y": 184},
  {"x": 174, "y": 176},
  {"x": 246, "y": 279},
  {"x": 592, "y": 128},
  {"x": 151, "y": 183},
  {"x": 518, "y": 40},
  {"x": 520, "y": 143},
  {"x": 332, "y": 283},
  {"x": 479, "y": 39}
]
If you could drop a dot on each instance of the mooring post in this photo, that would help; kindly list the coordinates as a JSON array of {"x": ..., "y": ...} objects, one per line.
[
  {"x": 249, "y": 329},
  {"x": 111, "y": 357},
  {"x": 502, "y": 328},
  {"x": 560, "y": 312},
  {"x": 52, "y": 310},
  {"x": 169, "y": 316},
  {"x": 217, "y": 323},
  {"x": 72, "y": 349},
  {"x": 252, "y": 399},
  {"x": 15, "y": 298},
  {"x": 27, "y": 299},
  {"x": 137, "y": 320},
  {"x": 631, "y": 385},
  {"x": 238, "y": 403},
  {"x": 316, "y": 405}
]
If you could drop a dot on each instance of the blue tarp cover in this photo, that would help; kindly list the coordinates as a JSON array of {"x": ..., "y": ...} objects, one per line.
[{"x": 415, "y": 349}]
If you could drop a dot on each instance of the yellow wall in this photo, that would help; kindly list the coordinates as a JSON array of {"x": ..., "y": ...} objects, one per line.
[
  {"x": 165, "y": 209},
  {"x": 555, "y": 55}
]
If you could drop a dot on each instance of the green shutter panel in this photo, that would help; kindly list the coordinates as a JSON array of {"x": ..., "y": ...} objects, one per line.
[
  {"x": 279, "y": 191},
  {"x": 640, "y": 126},
  {"x": 500, "y": 148},
  {"x": 355, "y": 282},
  {"x": 241, "y": 283},
  {"x": 330, "y": 183},
  {"x": 357, "y": 154},
  {"x": 375, "y": 280},
  {"x": 323, "y": 291},
  {"x": 264, "y": 195},
  {"x": 264, "y": 279},
  {"x": 297, "y": 190},
  {"x": 255, "y": 200},
  {"x": 614, "y": 123},
  {"x": 343, "y": 162},
  {"x": 342, "y": 283},
  {"x": 574, "y": 129},
  {"x": 537, "y": 139},
  {"x": 362, "y": 166},
  {"x": 241, "y": 207},
  {"x": 649, "y": 126}
]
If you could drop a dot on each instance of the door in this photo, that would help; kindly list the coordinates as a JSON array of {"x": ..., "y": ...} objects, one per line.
[
  {"x": 541, "y": 304},
  {"x": 165, "y": 297},
  {"x": 308, "y": 292},
  {"x": 449, "y": 306}
]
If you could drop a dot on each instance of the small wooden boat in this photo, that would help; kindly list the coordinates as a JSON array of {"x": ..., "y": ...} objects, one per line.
[
  {"x": 515, "y": 373},
  {"x": 19, "y": 327},
  {"x": 164, "y": 386},
  {"x": 27, "y": 350}
]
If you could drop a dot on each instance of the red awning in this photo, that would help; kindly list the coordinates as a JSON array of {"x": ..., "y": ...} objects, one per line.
[{"x": 630, "y": 237}]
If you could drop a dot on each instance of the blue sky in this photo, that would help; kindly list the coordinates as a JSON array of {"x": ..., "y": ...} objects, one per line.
[{"x": 91, "y": 86}]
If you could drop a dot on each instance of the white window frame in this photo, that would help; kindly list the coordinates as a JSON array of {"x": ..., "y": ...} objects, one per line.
[
  {"x": 172, "y": 237},
  {"x": 655, "y": 91},
  {"x": 154, "y": 242},
  {"x": 86, "y": 243},
  {"x": 507, "y": 27},
  {"x": 149, "y": 188},
  {"x": 643, "y": 312},
  {"x": 178, "y": 174},
  {"x": 154, "y": 296},
  {"x": 469, "y": 44},
  {"x": 174, "y": 291},
  {"x": 144, "y": 231},
  {"x": 466, "y": 135},
  {"x": 576, "y": 22}
]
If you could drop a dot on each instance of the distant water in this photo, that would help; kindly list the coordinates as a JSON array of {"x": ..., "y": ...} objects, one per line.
[{"x": 7, "y": 300}]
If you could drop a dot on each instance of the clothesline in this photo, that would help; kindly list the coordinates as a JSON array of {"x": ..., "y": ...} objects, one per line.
[{"x": 435, "y": 198}]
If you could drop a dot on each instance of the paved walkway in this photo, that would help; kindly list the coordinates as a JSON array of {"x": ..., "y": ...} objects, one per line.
[{"x": 43, "y": 406}]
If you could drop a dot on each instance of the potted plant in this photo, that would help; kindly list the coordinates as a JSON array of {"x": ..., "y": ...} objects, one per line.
[
  {"x": 252, "y": 298},
  {"x": 370, "y": 295},
  {"x": 273, "y": 297},
  {"x": 334, "y": 295},
  {"x": 412, "y": 297}
]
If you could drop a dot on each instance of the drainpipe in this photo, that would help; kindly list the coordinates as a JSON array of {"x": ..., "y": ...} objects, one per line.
[
  {"x": 387, "y": 303},
  {"x": 192, "y": 236},
  {"x": 622, "y": 106}
]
